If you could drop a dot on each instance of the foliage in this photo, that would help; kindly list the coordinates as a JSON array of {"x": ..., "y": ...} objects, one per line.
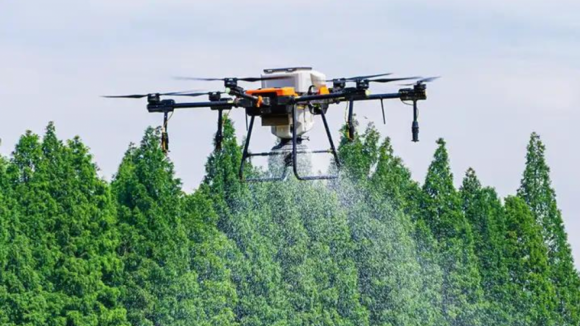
[
  {"x": 536, "y": 190},
  {"x": 371, "y": 248}
]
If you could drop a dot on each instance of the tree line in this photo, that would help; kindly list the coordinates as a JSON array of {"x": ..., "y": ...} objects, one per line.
[{"x": 372, "y": 248}]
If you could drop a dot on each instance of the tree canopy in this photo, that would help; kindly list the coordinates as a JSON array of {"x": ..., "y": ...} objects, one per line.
[{"x": 374, "y": 247}]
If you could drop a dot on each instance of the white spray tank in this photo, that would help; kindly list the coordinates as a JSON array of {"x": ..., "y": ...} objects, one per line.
[{"x": 301, "y": 79}]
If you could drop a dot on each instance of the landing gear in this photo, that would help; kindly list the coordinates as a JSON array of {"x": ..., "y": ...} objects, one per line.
[{"x": 290, "y": 157}]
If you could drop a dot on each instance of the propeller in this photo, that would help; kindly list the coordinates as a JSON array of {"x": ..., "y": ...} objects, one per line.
[
  {"x": 197, "y": 94},
  {"x": 137, "y": 96},
  {"x": 246, "y": 79},
  {"x": 357, "y": 78},
  {"x": 389, "y": 80},
  {"x": 423, "y": 80}
]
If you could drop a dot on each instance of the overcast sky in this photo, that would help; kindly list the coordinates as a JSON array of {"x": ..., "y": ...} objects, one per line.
[{"x": 508, "y": 67}]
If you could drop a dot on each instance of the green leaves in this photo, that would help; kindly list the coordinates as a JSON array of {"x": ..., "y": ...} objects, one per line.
[
  {"x": 372, "y": 248},
  {"x": 62, "y": 242},
  {"x": 463, "y": 302},
  {"x": 536, "y": 190}
]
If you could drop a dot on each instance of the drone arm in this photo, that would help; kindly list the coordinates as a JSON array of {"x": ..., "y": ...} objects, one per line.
[
  {"x": 380, "y": 97},
  {"x": 170, "y": 105},
  {"x": 223, "y": 104},
  {"x": 347, "y": 96},
  {"x": 332, "y": 96}
]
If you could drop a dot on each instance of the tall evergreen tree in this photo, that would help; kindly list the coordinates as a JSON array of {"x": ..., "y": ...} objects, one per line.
[
  {"x": 210, "y": 251},
  {"x": 314, "y": 245},
  {"x": 391, "y": 281},
  {"x": 242, "y": 217},
  {"x": 529, "y": 287},
  {"x": 393, "y": 180},
  {"x": 67, "y": 221},
  {"x": 463, "y": 301},
  {"x": 484, "y": 211},
  {"x": 6, "y": 231},
  {"x": 536, "y": 189},
  {"x": 159, "y": 285},
  {"x": 22, "y": 296}
]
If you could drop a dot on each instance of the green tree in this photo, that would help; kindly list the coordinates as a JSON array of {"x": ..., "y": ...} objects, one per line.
[
  {"x": 484, "y": 211},
  {"x": 22, "y": 297},
  {"x": 314, "y": 251},
  {"x": 159, "y": 286},
  {"x": 463, "y": 302},
  {"x": 374, "y": 193},
  {"x": 210, "y": 250},
  {"x": 67, "y": 235},
  {"x": 536, "y": 189},
  {"x": 529, "y": 287},
  {"x": 359, "y": 156},
  {"x": 241, "y": 216}
]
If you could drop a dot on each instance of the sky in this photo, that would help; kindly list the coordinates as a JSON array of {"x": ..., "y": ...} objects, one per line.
[{"x": 509, "y": 68}]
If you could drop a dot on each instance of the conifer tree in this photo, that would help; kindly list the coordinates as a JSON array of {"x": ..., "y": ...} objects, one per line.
[
  {"x": 393, "y": 180},
  {"x": 5, "y": 233},
  {"x": 528, "y": 286},
  {"x": 22, "y": 297},
  {"x": 319, "y": 275},
  {"x": 67, "y": 220},
  {"x": 393, "y": 186},
  {"x": 462, "y": 299},
  {"x": 359, "y": 155},
  {"x": 159, "y": 287},
  {"x": 391, "y": 282},
  {"x": 484, "y": 211},
  {"x": 225, "y": 188},
  {"x": 243, "y": 218},
  {"x": 209, "y": 252},
  {"x": 536, "y": 189}
]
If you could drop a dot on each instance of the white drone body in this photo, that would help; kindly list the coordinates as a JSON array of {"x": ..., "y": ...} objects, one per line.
[{"x": 302, "y": 80}]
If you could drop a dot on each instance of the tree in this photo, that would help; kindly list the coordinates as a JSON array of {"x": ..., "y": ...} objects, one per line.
[
  {"x": 22, "y": 297},
  {"x": 528, "y": 286},
  {"x": 374, "y": 193},
  {"x": 67, "y": 260},
  {"x": 159, "y": 287},
  {"x": 463, "y": 301},
  {"x": 359, "y": 156},
  {"x": 242, "y": 217},
  {"x": 314, "y": 250},
  {"x": 536, "y": 189},
  {"x": 484, "y": 211},
  {"x": 393, "y": 180},
  {"x": 210, "y": 251}
]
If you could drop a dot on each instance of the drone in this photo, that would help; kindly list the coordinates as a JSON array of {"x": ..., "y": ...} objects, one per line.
[{"x": 288, "y": 102}]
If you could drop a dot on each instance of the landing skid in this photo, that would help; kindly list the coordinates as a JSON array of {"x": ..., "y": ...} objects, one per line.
[{"x": 293, "y": 156}]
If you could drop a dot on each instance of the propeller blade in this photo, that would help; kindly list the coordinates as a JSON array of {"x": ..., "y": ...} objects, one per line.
[
  {"x": 428, "y": 79},
  {"x": 196, "y": 94},
  {"x": 198, "y": 78},
  {"x": 423, "y": 80},
  {"x": 255, "y": 79},
  {"x": 360, "y": 77},
  {"x": 182, "y": 92},
  {"x": 389, "y": 80},
  {"x": 126, "y": 96},
  {"x": 137, "y": 96},
  {"x": 368, "y": 76},
  {"x": 246, "y": 79}
]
